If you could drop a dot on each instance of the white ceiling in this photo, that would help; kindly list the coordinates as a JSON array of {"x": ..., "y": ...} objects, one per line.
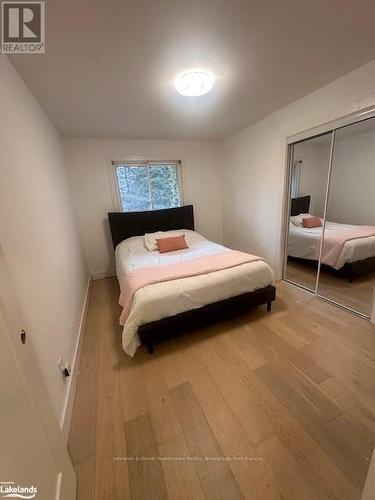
[{"x": 109, "y": 65}]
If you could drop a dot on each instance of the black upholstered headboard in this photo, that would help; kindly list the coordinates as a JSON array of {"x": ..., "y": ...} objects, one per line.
[
  {"x": 126, "y": 224},
  {"x": 300, "y": 205}
]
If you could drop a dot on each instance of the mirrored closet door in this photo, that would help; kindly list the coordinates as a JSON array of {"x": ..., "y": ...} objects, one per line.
[
  {"x": 347, "y": 274},
  {"x": 330, "y": 219},
  {"x": 309, "y": 168}
]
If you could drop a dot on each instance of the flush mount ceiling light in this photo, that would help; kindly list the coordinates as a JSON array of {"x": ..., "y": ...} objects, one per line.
[{"x": 194, "y": 83}]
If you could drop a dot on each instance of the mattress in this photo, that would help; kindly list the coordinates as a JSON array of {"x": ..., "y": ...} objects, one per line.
[
  {"x": 161, "y": 300},
  {"x": 305, "y": 243}
]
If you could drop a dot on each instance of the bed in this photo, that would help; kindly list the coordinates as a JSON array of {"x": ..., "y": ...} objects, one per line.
[
  {"x": 357, "y": 256},
  {"x": 163, "y": 310}
]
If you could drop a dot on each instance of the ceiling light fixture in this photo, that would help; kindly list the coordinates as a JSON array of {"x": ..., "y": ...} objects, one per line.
[{"x": 194, "y": 83}]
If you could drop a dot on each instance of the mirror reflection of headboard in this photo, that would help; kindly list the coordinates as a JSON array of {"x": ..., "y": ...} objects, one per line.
[{"x": 300, "y": 205}]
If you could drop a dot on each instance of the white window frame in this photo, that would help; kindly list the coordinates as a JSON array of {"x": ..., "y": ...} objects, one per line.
[
  {"x": 295, "y": 180},
  {"x": 115, "y": 192}
]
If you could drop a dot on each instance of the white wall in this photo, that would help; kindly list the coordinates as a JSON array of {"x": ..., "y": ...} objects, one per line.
[
  {"x": 87, "y": 169},
  {"x": 352, "y": 192},
  {"x": 38, "y": 232},
  {"x": 351, "y": 199},
  {"x": 254, "y": 162},
  {"x": 313, "y": 173}
]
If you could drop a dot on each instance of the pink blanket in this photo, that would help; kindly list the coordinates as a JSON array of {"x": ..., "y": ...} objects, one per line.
[
  {"x": 334, "y": 242},
  {"x": 135, "y": 280}
]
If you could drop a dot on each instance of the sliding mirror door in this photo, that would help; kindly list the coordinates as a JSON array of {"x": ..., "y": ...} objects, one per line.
[
  {"x": 347, "y": 273},
  {"x": 308, "y": 188}
]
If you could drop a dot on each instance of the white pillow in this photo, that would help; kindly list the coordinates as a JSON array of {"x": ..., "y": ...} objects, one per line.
[
  {"x": 297, "y": 219},
  {"x": 150, "y": 238}
]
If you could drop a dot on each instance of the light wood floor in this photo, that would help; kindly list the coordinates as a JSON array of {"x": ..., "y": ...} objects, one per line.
[
  {"x": 356, "y": 295},
  {"x": 281, "y": 404}
]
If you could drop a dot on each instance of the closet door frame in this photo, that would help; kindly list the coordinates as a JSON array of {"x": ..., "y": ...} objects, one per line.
[
  {"x": 328, "y": 186},
  {"x": 329, "y": 127}
]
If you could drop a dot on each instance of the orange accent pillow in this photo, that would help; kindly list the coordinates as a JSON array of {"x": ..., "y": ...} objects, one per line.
[
  {"x": 312, "y": 222},
  {"x": 171, "y": 244}
]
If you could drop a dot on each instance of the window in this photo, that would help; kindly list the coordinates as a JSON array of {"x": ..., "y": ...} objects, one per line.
[
  {"x": 296, "y": 173},
  {"x": 147, "y": 185}
]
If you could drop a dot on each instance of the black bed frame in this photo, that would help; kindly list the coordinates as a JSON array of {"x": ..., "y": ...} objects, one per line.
[
  {"x": 125, "y": 225},
  {"x": 350, "y": 270}
]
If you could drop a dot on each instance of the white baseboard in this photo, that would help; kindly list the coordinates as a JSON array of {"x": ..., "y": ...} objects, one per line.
[
  {"x": 72, "y": 384},
  {"x": 58, "y": 486},
  {"x": 99, "y": 275},
  {"x": 369, "y": 488}
]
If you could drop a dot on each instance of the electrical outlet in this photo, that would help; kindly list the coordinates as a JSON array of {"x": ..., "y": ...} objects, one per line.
[{"x": 64, "y": 368}]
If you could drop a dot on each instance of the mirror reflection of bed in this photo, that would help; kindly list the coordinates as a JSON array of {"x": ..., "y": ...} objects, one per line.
[
  {"x": 347, "y": 269},
  {"x": 355, "y": 295}
]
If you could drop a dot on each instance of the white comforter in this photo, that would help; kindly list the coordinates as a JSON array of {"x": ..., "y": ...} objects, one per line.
[
  {"x": 161, "y": 300},
  {"x": 303, "y": 243}
]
